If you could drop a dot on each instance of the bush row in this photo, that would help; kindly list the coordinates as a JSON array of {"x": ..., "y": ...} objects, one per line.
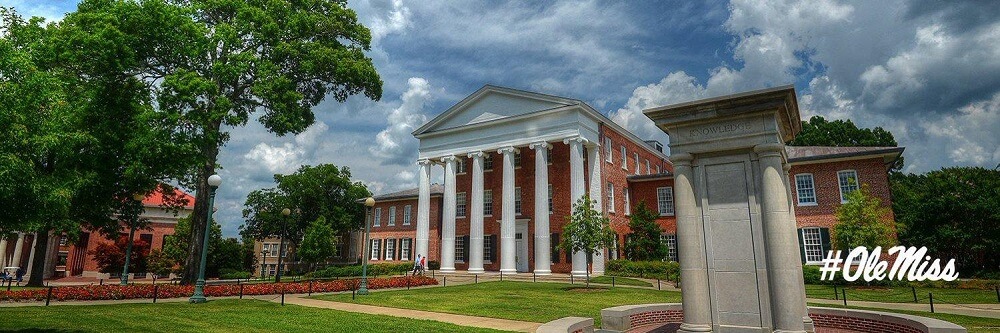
[
  {"x": 379, "y": 269},
  {"x": 229, "y": 273},
  {"x": 663, "y": 270},
  {"x": 116, "y": 292}
]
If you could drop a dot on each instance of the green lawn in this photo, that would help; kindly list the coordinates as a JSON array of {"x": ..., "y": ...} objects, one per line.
[
  {"x": 973, "y": 324},
  {"x": 525, "y": 301},
  {"x": 214, "y": 316},
  {"x": 620, "y": 281},
  {"x": 905, "y": 294}
]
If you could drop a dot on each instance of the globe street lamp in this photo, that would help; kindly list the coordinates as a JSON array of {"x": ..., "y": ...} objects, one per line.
[
  {"x": 131, "y": 234},
  {"x": 281, "y": 244},
  {"x": 263, "y": 262},
  {"x": 199, "y": 287},
  {"x": 363, "y": 288}
]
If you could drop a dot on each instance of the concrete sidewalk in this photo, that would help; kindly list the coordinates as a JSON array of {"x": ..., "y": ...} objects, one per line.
[
  {"x": 976, "y": 310},
  {"x": 461, "y": 320}
]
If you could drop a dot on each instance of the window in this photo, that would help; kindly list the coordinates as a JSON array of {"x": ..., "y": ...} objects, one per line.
[
  {"x": 670, "y": 240},
  {"x": 628, "y": 210},
  {"x": 648, "y": 169},
  {"x": 404, "y": 248},
  {"x": 375, "y": 248},
  {"x": 390, "y": 249},
  {"x": 608, "y": 150},
  {"x": 488, "y": 162},
  {"x": 488, "y": 202},
  {"x": 624, "y": 159},
  {"x": 636, "y": 162},
  {"x": 812, "y": 243},
  {"x": 272, "y": 269},
  {"x": 63, "y": 241},
  {"x": 407, "y": 214},
  {"x": 284, "y": 251},
  {"x": 805, "y": 189},
  {"x": 611, "y": 198},
  {"x": 848, "y": 183},
  {"x": 460, "y": 249},
  {"x": 378, "y": 217},
  {"x": 550, "y": 198},
  {"x": 517, "y": 200},
  {"x": 517, "y": 159},
  {"x": 460, "y": 205},
  {"x": 658, "y": 169},
  {"x": 460, "y": 166},
  {"x": 487, "y": 248},
  {"x": 392, "y": 216},
  {"x": 613, "y": 251},
  {"x": 271, "y": 248},
  {"x": 665, "y": 200},
  {"x": 548, "y": 155}
]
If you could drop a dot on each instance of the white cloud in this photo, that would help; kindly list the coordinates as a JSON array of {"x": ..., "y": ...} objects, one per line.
[
  {"x": 395, "y": 144},
  {"x": 969, "y": 137},
  {"x": 287, "y": 157},
  {"x": 397, "y": 20}
]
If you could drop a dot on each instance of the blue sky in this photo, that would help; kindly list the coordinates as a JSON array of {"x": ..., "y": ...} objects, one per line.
[{"x": 928, "y": 71}]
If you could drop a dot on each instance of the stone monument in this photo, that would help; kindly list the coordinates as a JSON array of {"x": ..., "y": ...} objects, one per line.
[{"x": 738, "y": 246}]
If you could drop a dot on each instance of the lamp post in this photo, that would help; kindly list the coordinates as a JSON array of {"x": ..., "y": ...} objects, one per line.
[
  {"x": 131, "y": 234},
  {"x": 263, "y": 262},
  {"x": 199, "y": 287},
  {"x": 363, "y": 288},
  {"x": 281, "y": 244}
]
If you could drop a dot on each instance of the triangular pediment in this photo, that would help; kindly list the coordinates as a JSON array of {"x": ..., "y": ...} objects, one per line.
[{"x": 492, "y": 103}]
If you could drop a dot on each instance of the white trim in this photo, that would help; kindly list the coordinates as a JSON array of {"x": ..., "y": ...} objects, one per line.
[
  {"x": 819, "y": 238},
  {"x": 857, "y": 179},
  {"x": 659, "y": 208},
  {"x": 798, "y": 195}
]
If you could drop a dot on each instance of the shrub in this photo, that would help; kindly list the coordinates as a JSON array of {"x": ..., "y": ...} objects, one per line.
[
  {"x": 663, "y": 270},
  {"x": 229, "y": 273},
  {"x": 379, "y": 269},
  {"x": 433, "y": 265}
]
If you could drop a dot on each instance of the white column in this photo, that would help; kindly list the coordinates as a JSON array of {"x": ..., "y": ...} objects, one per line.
[
  {"x": 507, "y": 244},
  {"x": 695, "y": 294},
  {"x": 577, "y": 188},
  {"x": 476, "y": 215},
  {"x": 807, "y": 322},
  {"x": 448, "y": 218},
  {"x": 423, "y": 210},
  {"x": 31, "y": 255},
  {"x": 596, "y": 185},
  {"x": 3, "y": 253},
  {"x": 16, "y": 260},
  {"x": 783, "y": 261},
  {"x": 543, "y": 260}
]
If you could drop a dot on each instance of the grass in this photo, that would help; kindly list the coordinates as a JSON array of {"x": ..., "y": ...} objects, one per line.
[
  {"x": 604, "y": 279},
  {"x": 973, "y": 324},
  {"x": 524, "y": 301},
  {"x": 905, "y": 294},
  {"x": 214, "y": 316}
]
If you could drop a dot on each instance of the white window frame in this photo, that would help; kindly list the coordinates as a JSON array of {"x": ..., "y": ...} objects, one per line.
[
  {"x": 637, "y": 165},
  {"x": 609, "y": 150},
  {"x": 550, "y": 199},
  {"x": 670, "y": 240},
  {"x": 461, "y": 205},
  {"x": 460, "y": 166},
  {"x": 624, "y": 158},
  {"x": 658, "y": 171},
  {"x": 840, "y": 184},
  {"x": 487, "y": 250},
  {"x": 517, "y": 159},
  {"x": 377, "y": 219},
  {"x": 374, "y": 248},
  {"x": 487, "y": 202},
  {"x": 407, "y": 214},
  {"x": 488, "y": 162},
  {"x": 625, "y": 197},
  {"x": 665, "y": 203},
  {"x": 800, "y": 182},
  {"x": 392, "y": 216},
  {"x": 812, "y": 243},
  {"x": 460, "y": 249},
  {"x": 517, "y": 201},
  {"x": 648, "y": 169},
  {"x": 404, "y": 249},
  {"x": 611, "y": 197},
  {"x": 390, "y": 249}
]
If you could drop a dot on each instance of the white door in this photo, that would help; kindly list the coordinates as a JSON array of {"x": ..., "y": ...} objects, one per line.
[{"x": 521, "y": 246}]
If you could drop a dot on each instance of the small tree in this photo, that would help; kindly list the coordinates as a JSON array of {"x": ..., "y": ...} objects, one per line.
[
  {"x": 159, "y": 263},
  {"x": 644, "y": 242},
  {"x": 317, "y": 245},
  {"x": 587, "y": 231},
  {"x": 862, "y": 221},
  {"x": 110, "y": 257}
]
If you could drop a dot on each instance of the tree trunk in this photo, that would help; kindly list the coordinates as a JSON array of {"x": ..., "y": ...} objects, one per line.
[
  {"x": 198, "y": 217},
  {"x": 38, "y": 265}
]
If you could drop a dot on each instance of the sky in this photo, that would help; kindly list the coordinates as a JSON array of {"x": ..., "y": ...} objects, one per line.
[{"x": 928, "y": 71}]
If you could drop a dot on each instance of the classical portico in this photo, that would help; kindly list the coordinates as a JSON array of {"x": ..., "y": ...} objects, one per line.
[{"x": 506, "y": 124}]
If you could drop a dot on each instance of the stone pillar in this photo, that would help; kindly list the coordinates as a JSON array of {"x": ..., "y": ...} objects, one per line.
[
  {"x": 31, "y": 255},
  {"x": 807, "y": 322},
  {"x": 543, "y": 260},
  {"x": 695, "y": 295},
  {"x": 448, "y": 218},
  {"x": 51, "y": 255},
  {"x": 507, "y": 246},
  {"x": 596, "y": 185},
  {"x": 3, "y": 252},
  {"x": 476, "y": 215},
  {"x": 16, "y": 260},
  {"x": 423, "y": 211},
  {"x": 577, "y": 188},
  {"x": 784, "y": 268}
]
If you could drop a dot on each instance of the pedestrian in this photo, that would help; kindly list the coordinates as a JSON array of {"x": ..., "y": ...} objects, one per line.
[
  {"x": 423, "y": 265},
  {"x": 20, "y": 275},
  {"x": 416, "y": 264}
]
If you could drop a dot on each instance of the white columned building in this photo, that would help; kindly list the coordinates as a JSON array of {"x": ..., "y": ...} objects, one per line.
[
  {"x": 476, "y": 215},
  {"x": 448, "y": 222},
  {"x": 507, "y": 263},
  {"x": 576, "y": 192},
  {"x": 423, "y": 210},
  {"x": 543, "y": 260}
]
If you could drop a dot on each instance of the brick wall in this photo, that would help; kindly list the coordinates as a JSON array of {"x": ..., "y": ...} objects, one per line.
[
  {"x": 656, "y": 317},
  {"x": 860, "y": 324},
  {"x": 400, "y": 231},
  {"x": 870, "y": 171}
]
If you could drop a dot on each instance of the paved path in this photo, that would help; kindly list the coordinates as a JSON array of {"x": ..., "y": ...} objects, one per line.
[
  {"x": 977, "y": 310},
  {"x": 462, "y": 320}
]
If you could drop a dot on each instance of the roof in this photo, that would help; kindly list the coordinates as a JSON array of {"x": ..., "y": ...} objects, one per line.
[
  {"x": 824, "y": 153},
  {"x": 436, "y": 189},
  {"x": 155, "y": 199},
  {"x": 780, "y": 98}
]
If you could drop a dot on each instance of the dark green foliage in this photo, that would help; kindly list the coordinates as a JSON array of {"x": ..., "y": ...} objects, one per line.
[
  {"x": 317, "y": 245},
  {"x": 863, "y": 221},
  {"x": 380, "y": 269},
  {"x": 229, "y": 274},
  {"x": 587, "y": 231},
  {"x": 843, "y": 133},
  {"x": 644, "y": 242},
  {"x": 663, "y": 270}
]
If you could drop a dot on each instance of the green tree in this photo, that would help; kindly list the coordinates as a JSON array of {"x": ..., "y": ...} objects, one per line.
[
  {"x": 643, "y": 243},
  {"x": 953, "y": 212},
  {"x": 212, "y": 64},
  {"x": 843, "y": 133},
  {"x": 588, "y": 231},
  {"x": 159, "y": 263},
  {"x": 110, "y": 257},
  {"x": 228, "y": 255},
  {"x": 312, "y": 192},
  {"x": 176, "y": 246},
  {"x": 317, "y": 245},
  {"x": 863, "y": 221}
]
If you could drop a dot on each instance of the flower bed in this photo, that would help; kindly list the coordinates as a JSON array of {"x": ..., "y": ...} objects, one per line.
[{"x": 113, "y": 292}]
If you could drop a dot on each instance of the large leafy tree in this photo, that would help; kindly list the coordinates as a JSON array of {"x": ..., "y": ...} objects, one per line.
[
  {"x": 843, "y": 133},
  {"x": 312, "y": 192},
  {"x": 212, "y": 64},
  {"x": 110, "y": 256},
  {"x": 643, "y": 243},
  {"x": 317, "y": 244},
  {"x": 954, "y": 213},
  {"x": 863, "y": 221},
  {"x": 588, "y": 231}
]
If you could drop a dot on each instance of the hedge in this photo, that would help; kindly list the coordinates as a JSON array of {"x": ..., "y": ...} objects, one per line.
[
  {"x": 663, "y": 270},
  {"x": 379, "y": 269}
]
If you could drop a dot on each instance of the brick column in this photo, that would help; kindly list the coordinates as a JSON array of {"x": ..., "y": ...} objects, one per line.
[{"x": 543, "y": 260}]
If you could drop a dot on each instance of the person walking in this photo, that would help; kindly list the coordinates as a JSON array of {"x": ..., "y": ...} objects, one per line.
[{"x": 416, "y": 265}]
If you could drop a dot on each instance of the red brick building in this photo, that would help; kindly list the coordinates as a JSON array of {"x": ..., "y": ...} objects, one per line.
[{"x": 513, "y": 142}]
